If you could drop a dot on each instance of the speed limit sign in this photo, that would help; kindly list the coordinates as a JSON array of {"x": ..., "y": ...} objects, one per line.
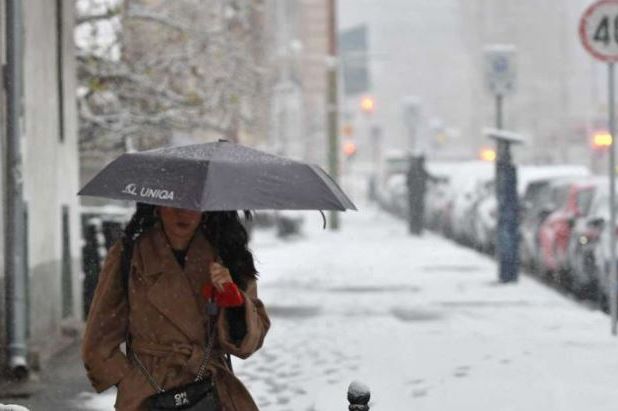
[{"x": 598, "y": 30}]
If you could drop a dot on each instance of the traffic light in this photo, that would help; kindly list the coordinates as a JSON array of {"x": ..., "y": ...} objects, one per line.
[
  {"x": 488, "y": 154},
  {"x": 368, "y": 104},
  {"x": 347, "y": 130},
  {"x": 349, "y": 149},
  {"x": 601, "y": 140},
  {"x": 440, "y": 138}
]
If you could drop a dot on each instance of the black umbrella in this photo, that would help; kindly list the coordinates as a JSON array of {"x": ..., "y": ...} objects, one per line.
[{"x": 216, "y": 177}]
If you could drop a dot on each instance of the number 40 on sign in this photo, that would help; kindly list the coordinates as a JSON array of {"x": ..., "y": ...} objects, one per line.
[{"x": 598, "y": 30}]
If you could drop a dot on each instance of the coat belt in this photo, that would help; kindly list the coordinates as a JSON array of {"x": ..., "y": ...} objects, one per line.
[
  {"x": 173, "y": 356},
  {"x": 165, "y": 350},
  {"x": 162, "y": 350}
]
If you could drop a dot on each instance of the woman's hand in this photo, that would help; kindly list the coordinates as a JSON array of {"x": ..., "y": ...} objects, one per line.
[
  {"x": 219, "y": 275},
  {"x": 227, "y": 293}
]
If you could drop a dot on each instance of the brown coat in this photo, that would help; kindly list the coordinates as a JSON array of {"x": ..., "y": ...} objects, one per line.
[{"x": 167, "y": 323}]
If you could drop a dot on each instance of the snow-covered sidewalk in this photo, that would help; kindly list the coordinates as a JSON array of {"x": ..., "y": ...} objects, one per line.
[{"x": 422, "y": 322}]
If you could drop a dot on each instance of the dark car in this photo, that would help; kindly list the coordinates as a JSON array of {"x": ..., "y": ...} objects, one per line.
[{"x": 585, "y": 238}]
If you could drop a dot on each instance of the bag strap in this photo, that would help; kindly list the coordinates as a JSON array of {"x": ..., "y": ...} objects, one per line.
[
  {"x": 144, "y": 371},
  {"x": 125, "y": 272},
  {"x": 201, "y": 373}
]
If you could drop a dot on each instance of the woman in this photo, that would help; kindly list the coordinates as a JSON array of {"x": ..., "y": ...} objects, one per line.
[{"x": 175, "y": 255}]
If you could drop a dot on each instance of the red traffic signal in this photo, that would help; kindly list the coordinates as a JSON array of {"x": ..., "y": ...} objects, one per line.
[{"x": 349, "y": 149}]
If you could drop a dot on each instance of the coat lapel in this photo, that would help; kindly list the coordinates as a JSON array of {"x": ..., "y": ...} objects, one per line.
[
  {"x": 199, "y": 257},
  {"x": 175, "y": 293}
]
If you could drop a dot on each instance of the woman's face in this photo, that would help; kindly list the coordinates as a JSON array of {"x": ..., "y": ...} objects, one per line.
[{"x": 178, "y": 222}]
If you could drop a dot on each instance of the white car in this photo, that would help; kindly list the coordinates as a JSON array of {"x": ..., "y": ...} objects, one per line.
[{"x": 485, "y": 222}]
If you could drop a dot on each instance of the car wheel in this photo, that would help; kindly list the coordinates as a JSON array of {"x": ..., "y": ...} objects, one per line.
[
  {"x": 603, "y": 302},
  {"x": 589, "y": 290}
]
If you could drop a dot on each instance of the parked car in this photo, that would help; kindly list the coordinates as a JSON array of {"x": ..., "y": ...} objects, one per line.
[
  {"x": 468, "y": 185},
  {"x": 535, "y": 208},
  {"x": 395, "y": 162},
  {"x": 601, "y": 255},
  {"x": 436, "y": 202},
  {"x": 486, "y": 220},
  {"x": 570, "y": 200},
  {"x": 396, "y": 196},
  {"x": 584, "y": 271},
  {"x": 534, "y": 189}
]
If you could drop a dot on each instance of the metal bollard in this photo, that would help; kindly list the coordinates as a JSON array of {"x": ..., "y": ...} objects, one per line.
[{"x": 358, "y": 396}]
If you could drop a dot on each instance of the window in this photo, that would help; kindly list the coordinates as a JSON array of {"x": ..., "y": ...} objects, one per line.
[{"x": 584, "y": 199}]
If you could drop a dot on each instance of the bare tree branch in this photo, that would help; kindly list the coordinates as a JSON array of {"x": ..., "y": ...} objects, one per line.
[
  {"x": 200, "y": 80},
  {"x": 93, "y": 18},
  {"x": 136, "y": 13}
]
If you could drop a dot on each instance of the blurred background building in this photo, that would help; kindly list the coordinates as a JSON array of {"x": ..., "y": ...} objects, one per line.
[
  {"x": 432, "y": 53},
  {"x": 155, "y": 73},
  {"x": 300, "y": 59}
]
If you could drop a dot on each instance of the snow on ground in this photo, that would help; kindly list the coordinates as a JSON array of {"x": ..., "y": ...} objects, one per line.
[
  {"x": 422, "y": 322},
  {"x": 89, "y": 401}
]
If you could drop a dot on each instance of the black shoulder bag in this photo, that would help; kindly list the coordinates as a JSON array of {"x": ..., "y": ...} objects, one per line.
[{"x": 201, "y": 394}]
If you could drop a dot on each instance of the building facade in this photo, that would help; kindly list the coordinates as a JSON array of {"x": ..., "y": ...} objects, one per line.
[
  {"x": 300, "y": 62},
  {"x": 50, "y": 173},
  {"x": 432, "y": 51},
  {"x": 559, "y": 99}
]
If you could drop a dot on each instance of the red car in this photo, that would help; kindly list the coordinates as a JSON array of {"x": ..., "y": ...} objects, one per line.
[{"x": 570, "y": 199}]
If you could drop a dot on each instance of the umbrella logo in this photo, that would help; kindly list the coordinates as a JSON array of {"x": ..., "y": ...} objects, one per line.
[
  {"x": 130, "y": 189},
  {"x": 147, "y": 192},
  {"x": 156, "y": 193}
]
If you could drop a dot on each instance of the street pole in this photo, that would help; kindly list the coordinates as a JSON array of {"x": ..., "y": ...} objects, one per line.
[
  {"x": 498, "y": 166},
  {"x": 15, "y": 267},
  {"x": 507, "y": 240},
  {"x": 499, "y": 124},
  {"x": 501, "y": 151},
  {"x": 331, "y": 105},
  {"x": 613, "y": 281}
]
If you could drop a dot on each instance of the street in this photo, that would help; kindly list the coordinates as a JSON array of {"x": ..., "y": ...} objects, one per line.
[
  {"x": 481, "y": 272},
  {"x": 421, "y": 321}
]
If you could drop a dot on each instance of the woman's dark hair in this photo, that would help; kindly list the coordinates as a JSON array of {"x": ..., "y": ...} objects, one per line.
[
  {"x": 223, "y": 229},
  {"x": 228, "y": 236}
]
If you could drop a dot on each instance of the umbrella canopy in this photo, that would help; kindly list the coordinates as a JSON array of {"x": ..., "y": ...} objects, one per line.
[{"x": 217, "y": 177}]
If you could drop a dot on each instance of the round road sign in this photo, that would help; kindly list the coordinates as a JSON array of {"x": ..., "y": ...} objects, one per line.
[{"x": 598, "y": 30}]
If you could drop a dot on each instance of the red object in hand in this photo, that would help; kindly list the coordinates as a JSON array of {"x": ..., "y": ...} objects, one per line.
[{"x": 229, "y": 297}]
